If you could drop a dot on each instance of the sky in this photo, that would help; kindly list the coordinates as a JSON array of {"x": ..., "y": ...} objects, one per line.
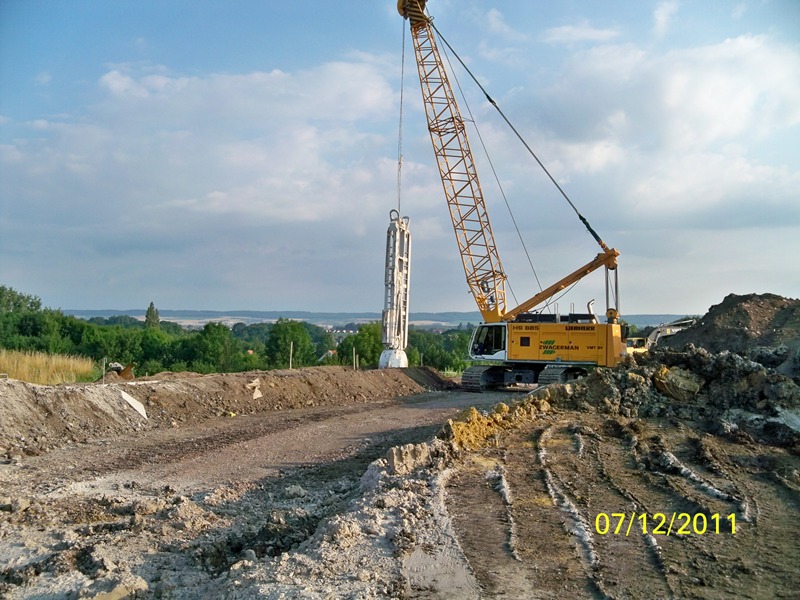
[{"x": 245, "y": 154}]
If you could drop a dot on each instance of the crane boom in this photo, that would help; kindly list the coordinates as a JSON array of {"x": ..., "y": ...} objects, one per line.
[
  {"x": 462, "y": 189},
  {"x": 525, "y": 346}
]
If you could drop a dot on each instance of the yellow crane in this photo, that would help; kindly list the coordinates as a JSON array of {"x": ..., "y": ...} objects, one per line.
[{"x": 517, "y": 345}]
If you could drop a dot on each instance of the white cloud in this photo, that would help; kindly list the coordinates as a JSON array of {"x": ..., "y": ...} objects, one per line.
[
  {"x": 280, "y": 166},
  {"x": 263, "y": 187},
  {"x": 662, "y": 17},
  {"x": 676, "y": 132},
  {"x": 715, "y": 191},
  {"x": 593, "y": 157},
  {"x": 743, "y": 86},
  {"x": 497, "y": 25},
  {"x": 10, "y": 154},
  {"x": 583, "y": 32},
  {"x": 120, "y": 84}
]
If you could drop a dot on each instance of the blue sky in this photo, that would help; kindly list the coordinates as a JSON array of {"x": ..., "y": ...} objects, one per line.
[{"x": 243, "y": 155}]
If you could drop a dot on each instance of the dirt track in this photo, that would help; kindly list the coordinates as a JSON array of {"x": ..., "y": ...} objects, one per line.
[
  {"x": 168, "y": 511},
  {"x": 526, "y": 513}
]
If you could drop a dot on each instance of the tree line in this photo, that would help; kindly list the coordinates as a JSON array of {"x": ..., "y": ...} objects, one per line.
[{"x": 155, "y": 345}]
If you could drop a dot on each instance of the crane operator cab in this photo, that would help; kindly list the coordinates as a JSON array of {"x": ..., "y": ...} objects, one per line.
[{"x": 489, "y": 342}]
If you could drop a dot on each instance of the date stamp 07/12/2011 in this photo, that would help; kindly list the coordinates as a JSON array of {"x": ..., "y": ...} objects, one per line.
[{"x": 664, "y": 524}]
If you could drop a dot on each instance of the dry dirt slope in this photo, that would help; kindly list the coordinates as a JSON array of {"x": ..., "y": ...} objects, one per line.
[
  {"x": 37, "y": 418},
  {"x": 526, "y": 501}
]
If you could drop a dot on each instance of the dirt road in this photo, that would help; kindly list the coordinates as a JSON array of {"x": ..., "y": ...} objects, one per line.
[{"x": 166, "y": 511}]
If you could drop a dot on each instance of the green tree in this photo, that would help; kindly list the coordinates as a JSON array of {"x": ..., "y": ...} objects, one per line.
[
  {"x": 456, "y": 345},
  {"x": 95, "y": 343},
  {"x": 53, "y": 338},
  {"x": 215, "y": 349},
  {"x": 151, "y": 319},
  {"x": 321, "y": 337},
  {"x": 122, "y": 320},
  {"x": 172, "y": 328},
  {"x": 257, "y": 332},
  {"x": 13, "y": 301},
  {"x": 73, "y": 328},
  {"x": 117, "y": 344},
  {"x": 447, "y": 351},
  {"x": 155, "y": 346},
  {"x": 413, "y": 356},
  {"x": 367, "y": 344},
  {"x": 287, "y": 336}
]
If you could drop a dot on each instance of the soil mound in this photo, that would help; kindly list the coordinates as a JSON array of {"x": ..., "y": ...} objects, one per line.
[
  {"x": 762, "y": 327},
  {"x": 37, "y": 418},
  {"x": 722, "y": 393}
]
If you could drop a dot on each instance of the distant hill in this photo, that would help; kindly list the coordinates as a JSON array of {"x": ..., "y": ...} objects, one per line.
[{"x": 197, "y": 318}]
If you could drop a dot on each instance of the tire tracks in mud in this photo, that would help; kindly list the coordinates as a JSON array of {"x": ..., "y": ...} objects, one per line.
[{"x": 526, "y": 512}]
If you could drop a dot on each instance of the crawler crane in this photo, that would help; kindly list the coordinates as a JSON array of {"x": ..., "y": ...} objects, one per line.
[{"x": 518, "y": 345}]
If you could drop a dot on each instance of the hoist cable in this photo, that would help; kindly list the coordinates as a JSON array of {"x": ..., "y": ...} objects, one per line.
[
  {"x": 400, "y": 124},
  {"x": 497, "y": 180},
  {"x": 524, "y": 143},
  {"x": 499, "y": 184}
]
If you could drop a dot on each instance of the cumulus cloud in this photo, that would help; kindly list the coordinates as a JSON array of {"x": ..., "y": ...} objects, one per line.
[
  {"x": 498, "y": 25},
  {"x": 288, "y": 165},
  {"x": 678, "y": 125},
  {"x": 583, "y": 32},
  {"x": 662, "y": 17},
  {"x": 274, "y": 180},
  {"x": 743, "y": 85},
  {"x": 249, "y": 143}
]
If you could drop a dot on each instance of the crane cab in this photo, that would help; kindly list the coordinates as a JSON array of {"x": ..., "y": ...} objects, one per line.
[{"x": 489, "y": 342}]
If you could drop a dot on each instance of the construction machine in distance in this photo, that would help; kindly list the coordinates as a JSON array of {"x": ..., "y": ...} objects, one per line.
[
  {"x": 517, "y": 345},
  {"x": 639, "y": 345}
]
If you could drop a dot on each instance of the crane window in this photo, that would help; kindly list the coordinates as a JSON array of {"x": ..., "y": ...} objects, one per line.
[
  {"x": 525, "y": 341},
  {"x": 489, "y": 339}
]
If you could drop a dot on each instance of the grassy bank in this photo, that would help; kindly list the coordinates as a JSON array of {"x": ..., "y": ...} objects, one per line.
[{"x": 46, "y": 369}]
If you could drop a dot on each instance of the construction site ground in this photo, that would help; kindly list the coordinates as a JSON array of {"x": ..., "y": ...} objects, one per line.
[{"x": 675, "y": 475}]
